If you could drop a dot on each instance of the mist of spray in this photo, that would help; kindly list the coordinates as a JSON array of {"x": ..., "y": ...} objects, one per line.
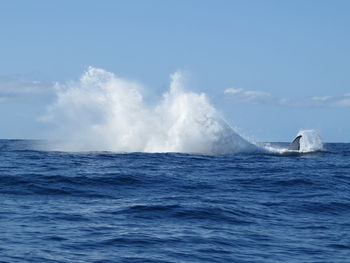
[{"x": 102, "y": 112}]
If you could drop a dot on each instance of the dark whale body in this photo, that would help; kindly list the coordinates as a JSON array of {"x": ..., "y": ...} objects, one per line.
[{"x": 295, "y": 144}]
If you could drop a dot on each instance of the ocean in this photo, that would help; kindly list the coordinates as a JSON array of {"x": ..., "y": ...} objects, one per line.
[{"x": 103, "y": 206}]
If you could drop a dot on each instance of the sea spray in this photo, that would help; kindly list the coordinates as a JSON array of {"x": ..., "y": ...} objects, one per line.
[
  {"x": 310, "y": 141},
  {"x": 102, "y": 112}
]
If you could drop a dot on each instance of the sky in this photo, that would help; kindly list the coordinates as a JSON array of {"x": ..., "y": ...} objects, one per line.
[{"x": 270, "y": 67}]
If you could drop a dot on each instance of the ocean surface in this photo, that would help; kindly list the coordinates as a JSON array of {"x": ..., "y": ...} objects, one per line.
[{"x": 172, "y": 207}]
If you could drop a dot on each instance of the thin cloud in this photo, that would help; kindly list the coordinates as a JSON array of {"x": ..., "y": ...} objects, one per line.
[
  {"x": 321, "y": 98},
  {"x": 233, "y": 91},
  {"x": 317, "y": 101},
  {"x": 247, "y": 96},
  {"x": 242, "y": 96},
  {"x": 344, "y": 101},
  {"x": 12, "y": 87}
]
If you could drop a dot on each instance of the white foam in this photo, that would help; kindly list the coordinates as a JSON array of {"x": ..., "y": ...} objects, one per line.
[{"x": 102, "y": 112}]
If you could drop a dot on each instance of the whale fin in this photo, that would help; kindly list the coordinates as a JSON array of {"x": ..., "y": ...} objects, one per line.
[{"x": 295, "y": 144}]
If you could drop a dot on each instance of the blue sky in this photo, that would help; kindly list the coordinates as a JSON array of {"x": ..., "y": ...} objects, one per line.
[{"x": 270, "y": 67}]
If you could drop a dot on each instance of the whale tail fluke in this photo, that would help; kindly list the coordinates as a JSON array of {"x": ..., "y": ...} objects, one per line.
[{"x": 295, "y": 144}]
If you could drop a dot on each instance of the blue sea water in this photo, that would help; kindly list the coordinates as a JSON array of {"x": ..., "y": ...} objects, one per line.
[{"x": 172, "y": 207}]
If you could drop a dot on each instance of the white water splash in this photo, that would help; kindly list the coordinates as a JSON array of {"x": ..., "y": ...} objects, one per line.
[
  {"x": 102, "y": 112},
  {"x": 310, "y": 141}
]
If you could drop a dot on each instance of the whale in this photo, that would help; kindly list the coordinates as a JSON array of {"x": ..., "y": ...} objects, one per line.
[{"x": 295, "y": 144}]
